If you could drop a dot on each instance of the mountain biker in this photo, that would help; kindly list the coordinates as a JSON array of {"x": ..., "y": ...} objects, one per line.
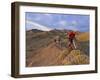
[
  {"x": 57, "y": 41},
  {"x": 71, "y": 37}
]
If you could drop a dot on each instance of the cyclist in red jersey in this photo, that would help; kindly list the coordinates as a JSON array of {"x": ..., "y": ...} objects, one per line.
[{"x": 71, "y": 37}]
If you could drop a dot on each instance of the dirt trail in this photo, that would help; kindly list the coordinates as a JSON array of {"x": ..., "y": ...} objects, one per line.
[
  {"x": 55, "y": 55},
  {"x": 46, "y": 56}
]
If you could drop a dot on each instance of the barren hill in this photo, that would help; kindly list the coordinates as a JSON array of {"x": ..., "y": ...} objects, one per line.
[{"x": 42, "y": 51}]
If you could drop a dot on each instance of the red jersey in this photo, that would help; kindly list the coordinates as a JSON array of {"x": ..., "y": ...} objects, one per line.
[{"x": 71, "y": 35}]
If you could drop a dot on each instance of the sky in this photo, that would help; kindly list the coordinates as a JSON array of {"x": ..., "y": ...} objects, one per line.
[{"x": 49, "y": 21}]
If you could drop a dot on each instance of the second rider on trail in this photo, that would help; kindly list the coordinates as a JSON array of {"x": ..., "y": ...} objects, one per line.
[
  {"x": 71, "y": 40},
  {"x": 57, "y": 41}
]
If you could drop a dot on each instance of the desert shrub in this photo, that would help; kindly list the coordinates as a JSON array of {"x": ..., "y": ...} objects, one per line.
[{"x": 76, "y": 57}]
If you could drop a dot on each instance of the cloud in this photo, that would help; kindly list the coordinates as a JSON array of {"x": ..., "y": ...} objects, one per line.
[
  {"x": 35, "y": 25},
  {"x": 48, "y": 18},
  {"x": 75, "y": 28},
  {"x": 62, "y": 23},
  {"x": 74, "y": 23},
  {"x": 49, "y": 15},
  {"x": 37, "y": 18}
]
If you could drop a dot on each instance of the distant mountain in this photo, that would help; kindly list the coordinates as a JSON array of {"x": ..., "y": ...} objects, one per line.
[
  {"x": 38, "y": 26},
  {"x": 36, "y": 30}
]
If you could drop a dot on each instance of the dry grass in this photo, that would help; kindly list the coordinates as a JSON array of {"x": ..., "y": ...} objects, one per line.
[
  {"x": 62, "y": 56},
  {"x": 76, "y": 57},
  {"x": 83, "y": 37}
]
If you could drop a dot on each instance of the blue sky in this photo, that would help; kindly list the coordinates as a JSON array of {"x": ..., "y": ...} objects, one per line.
[{"x": 57, "y": 21}]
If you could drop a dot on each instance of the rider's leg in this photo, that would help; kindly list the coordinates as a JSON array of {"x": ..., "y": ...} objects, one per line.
[{"x": 70, "y": 46}]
